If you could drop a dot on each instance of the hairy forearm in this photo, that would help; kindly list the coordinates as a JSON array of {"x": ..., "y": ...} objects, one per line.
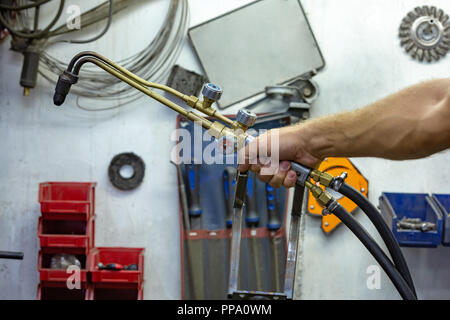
[{"x": 412, "y": 123}]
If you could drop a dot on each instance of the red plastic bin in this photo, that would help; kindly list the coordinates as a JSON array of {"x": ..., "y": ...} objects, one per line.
[
  {"x": 117, "y": 279},
  {"x": 66, "y": 233},
  {"x": 55, "y": 276},
  {"x": 95, "y": 293},
  {"x": 59, "y": 291},
  {"x": 67, "y": 200}
]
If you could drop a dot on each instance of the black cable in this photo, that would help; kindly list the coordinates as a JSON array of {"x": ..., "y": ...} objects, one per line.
[
  {"x": 393, "y": 274},
  {"x": 100, "y": 34},
  {"x": 36, "y": 19},
  {"x": 385, "y": 232},
  {"x": 34, "y": 35},
  {"x": 23, "y": 7},
  {"x": 11, "y": 255}
]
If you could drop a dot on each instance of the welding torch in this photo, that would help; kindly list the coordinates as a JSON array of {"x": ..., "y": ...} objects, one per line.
[{"x": 232, "y": 136}]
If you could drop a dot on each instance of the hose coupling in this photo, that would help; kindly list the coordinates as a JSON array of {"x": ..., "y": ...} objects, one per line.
[
  {"x": 322, "y": 197},
  {"x": 338, "y": 181},
  {"x": 323, "y": 178},
  {"x": 332, "y": 205}
]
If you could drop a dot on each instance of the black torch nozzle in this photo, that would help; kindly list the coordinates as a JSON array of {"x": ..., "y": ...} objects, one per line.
[{"x": 65, "y": 81}]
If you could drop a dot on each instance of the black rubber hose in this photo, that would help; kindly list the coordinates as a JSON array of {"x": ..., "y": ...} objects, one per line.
[
  {"x": 393, "y": 274},
  {"x": 385, "y": 232}
]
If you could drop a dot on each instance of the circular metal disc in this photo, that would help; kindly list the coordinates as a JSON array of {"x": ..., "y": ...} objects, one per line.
[{"x": 425, "y": 33}]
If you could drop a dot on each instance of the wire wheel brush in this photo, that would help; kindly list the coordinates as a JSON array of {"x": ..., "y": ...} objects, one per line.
[{"x": 425, "y": 33}]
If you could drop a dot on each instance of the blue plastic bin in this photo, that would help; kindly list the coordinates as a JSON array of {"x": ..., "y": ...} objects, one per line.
[
  {"x": 443, "y": 202},
  {"x": 395, "y": 206}
]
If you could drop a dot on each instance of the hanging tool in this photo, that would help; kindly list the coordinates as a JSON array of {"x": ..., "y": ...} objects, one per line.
[
  {"x": 194, "y": 247},
  {"x": 233, "y": 136},
  {"x": 273, "y": 225},
  {"x": 273, "y": 220},
  {"x": 236, "y": 233},
  {"x": 294, "y": 230},
  {"x": 229, "y": 183},
  {"x": 183, "y": 196},
  {"x": 252, "y": 221},
  {"x": 193, "y": 193},
  {"x": 252, "y": 217}
]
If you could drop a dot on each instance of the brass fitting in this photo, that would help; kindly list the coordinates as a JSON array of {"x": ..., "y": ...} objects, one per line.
[
  {"x": 235, "y": 136},
  {"x": 239, "y": 126},
  {"x": 218, "y": 130},
  {"x": 322, "y": 197},
  {"x": 323, "y": 178},
  {"x": 207, "y": 103},
  {"x": 202, "y": 105},
  {"x": 191, "y": 101},
  {"x": 205, "y": 107}
]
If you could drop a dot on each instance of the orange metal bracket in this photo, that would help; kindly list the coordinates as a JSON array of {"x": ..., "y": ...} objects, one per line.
[{"x": 335, "y": 167}]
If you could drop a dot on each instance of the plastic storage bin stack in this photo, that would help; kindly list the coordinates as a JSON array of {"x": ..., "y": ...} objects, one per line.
[
  {"x": 114, "y": 284},
  {"x": 67, "y": 226}
]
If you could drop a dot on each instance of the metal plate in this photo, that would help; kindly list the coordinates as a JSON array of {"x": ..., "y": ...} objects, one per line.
[
  {"x": 185, "y": 81},
  {"x": 335, "y": 167},
  {"x": 267, "y": 42}
]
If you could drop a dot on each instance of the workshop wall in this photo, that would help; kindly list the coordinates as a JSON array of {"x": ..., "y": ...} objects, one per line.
[
  {"x": 359, "y": 40},
  {"x": 39, "y": 142}
]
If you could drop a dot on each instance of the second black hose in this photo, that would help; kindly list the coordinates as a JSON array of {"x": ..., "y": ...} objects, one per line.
[
  {"x": 396, "y": 278},
  {"x": 386, "y": 234}
]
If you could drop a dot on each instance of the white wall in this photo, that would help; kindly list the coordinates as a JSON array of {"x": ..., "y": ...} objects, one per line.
[
  {"x": 359, "y": 40},
  {"x": 42, "y": 143}
]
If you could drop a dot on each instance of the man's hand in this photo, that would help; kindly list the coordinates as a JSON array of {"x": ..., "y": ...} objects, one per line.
[
  {"x": 410, "y": 124},
  {"x": 291, "y": 146}
]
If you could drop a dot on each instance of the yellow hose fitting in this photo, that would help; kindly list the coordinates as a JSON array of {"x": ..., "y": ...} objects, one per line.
[
  {"x": 207, "y": 103},
  {"x": 323, "y": 178},
  {"x": 322, "y": 197}
]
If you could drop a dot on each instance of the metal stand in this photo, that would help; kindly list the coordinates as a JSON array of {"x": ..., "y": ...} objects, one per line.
[{"x": 291, "y": 257}]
